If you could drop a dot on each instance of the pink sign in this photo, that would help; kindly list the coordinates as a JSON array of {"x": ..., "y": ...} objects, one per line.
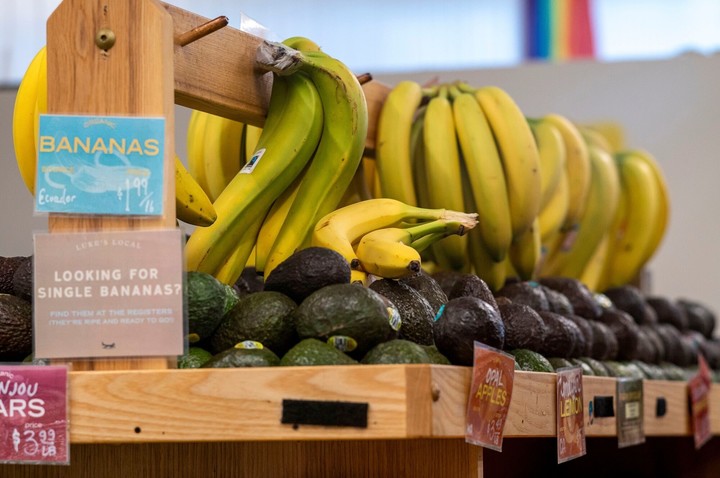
[
  {"x": 699, "y": 390},
  {"x": 34, "y": 414},
  {"x": 108, "y": 294}
]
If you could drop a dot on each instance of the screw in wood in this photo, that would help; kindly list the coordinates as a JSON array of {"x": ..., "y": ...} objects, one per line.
[{"x": 202, "y": 30}]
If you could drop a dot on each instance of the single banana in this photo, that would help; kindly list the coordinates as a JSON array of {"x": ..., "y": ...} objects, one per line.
[
  {"x": 388, "y": 252},
  {"x": 291, "y": 134},
  {"x": 192, "y": 205},
  {"x": 240, "y": 258},
  {"x": 577, "y": 165},
  {"x": 552, "y": 155},
  {"x": 443, "y": 175},
  {"x": 417, "y": 152},
  {"x": 592, "y": 275},
  {"x": 577, "y": 250},
  {"x": 196, "y": 147},
  {"x": 484, "y": 169},
  {"x": 250, "y": 141},
  {"x": 642, "y": 212},
  {"x": 594, "y": 138},
  {"x": 24, "y": 113},
  {"x": 369, "y": 173},
  {"x": 339, "y": 151},
  {"x": 392, "y": 142},
  {"x": 342, "y": 228},
  {"x": 526, "y": 252},
  {"x": 519, "y": 154},
  {"x": 223, "y": 138},
  {"x": 552, "y": 216}
]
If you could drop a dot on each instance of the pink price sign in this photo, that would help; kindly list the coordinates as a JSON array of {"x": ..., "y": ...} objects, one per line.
[{"x": 34, "y": 414}]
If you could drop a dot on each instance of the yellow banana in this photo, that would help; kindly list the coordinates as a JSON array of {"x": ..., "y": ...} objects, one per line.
[
  {"x": 24, "y": 114},
  {"x": 577, "y": 165},
  {"x": 240, "y": 258},
  {"x": 594, "y": 138},
  {"x": 519, "y": 155},
  {"x": 664, "y": 215},
  {"x": 571, "y": 259},
  {"x": 196, "y": 147},
  {"x": 417, "y": 152},
  {"x": 612, "y": 131},
  {"x": 552, "y": 155},
  {"x": 526, "y": 252},
  {"x": 344, "y": 227},
  {"x": 484, "y": 170},
  {"x": 388, "y": 252},
  {"x": 369, "y": 172},
  {"x": 250, "y": 141},
  {"x": 642, "y": 211},
  {"x": 291, "y": 134},
  {"x": 443, "y": 175},
  {"x": 552, "y": 216},
  {"x": 223, "y": 138},
  {"x": 592, "y": 275},
  {"x": 192, "y": 205},
  {"x": 340, "y": 148},
  {"x": 392, "y": 143}
]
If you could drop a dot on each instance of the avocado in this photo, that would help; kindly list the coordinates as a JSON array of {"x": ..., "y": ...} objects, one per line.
[
  {"x": 605, "y": 344},
  {"x": 625, "y": 329},
  {"x": 524, "y": 328},
  {"x": 711, "y": 351},
  {"x": 428, "y": 288},
  {"x": 700, "y": 317},
  {"x": 630, "y": 299},
  {"x": 658, "y": 345},
  {"x": 446, "y": 279},
  {"x": 348, "y": 310},
  {"x": 249, "y": 282},
  {"x": 473, "y": 286},
  {"x": 22, "y": 280},
  {"x": 206, "y": 303},
  {"x": 315, "y": 352},
  {"x": 231, "y": 297},
  {"x": 559, "y": 362},
  {"x": 265, "y": 317},
  {"x": 597, "y": 366},
  {"x": 603, "y": 300},
  {"x": 244, "y": 354},
  {"x": 617, "y": 369},
  {"x": 525, "y": 292},
  {"x": 587, "y": 332},
  {"x": 435, "y": 356},
  {"x": 646, "y": 351},
  {"x": 672, "y": 371},
  {"x": 580, "y": 297},
  {"x": 586, "y": 368},
  {"x": 416, "y": 314},
  {"x": 651, "y": 371},
  {"x": 669, "y": 312},
  {"x": 16, "y": 323},
  {"x": 8, "y": 266},
  {"x": 308, "y": 270},
  {"x": 463, "y": 321},
  {"x": 675, "y": 351},
  {"x": 195, "y": 357},
  {"x": 531, "y": 361},
  {"x": 396, "y": 351},
  {"x": 557, "y": 302},
  {"x": 563, "y": 338}
]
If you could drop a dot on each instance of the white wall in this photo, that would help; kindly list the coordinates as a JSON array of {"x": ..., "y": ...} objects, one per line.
[{"x": 671, "y": 108}]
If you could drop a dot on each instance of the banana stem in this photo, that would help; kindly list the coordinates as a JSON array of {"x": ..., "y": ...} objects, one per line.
[
  {"x": 443, "y": 226},
  {"x": 426, "y": 241}
]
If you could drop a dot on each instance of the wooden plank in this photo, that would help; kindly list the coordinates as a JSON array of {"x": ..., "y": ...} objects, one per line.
[
  {"x": 599, "y": 387},
  {"x": 715, "y": 409},
  {"x": 533, "y": 406},
  {"x": 450, "y": 388},
  {"x": 675, "y": 422}
]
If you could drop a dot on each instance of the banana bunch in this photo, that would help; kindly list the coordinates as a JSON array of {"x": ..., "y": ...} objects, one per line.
[
  {"x": 192, "y": 205},
  {"x": 463, "y": 148}
]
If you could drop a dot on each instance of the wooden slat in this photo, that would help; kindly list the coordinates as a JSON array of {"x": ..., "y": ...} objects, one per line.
[
  {"x": 599, "y": 387},
  {"x": 715, "y": 409},
  {"x": 675, "y": 422}
]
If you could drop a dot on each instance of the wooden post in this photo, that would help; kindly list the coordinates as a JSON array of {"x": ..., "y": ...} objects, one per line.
[{"x": 114, "y": 58}]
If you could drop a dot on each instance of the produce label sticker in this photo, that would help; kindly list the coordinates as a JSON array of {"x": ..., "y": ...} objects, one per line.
[
  {"x": 699, "y": 390},
  {"x": 100, "y": 165},
  {"x": 570, "y": 421},
  {"x": 34, "y": 414},
  {"x": 630, "y": 425},
  {"x": 108, "y": 294},
  {"x": 489, "y": 400}
]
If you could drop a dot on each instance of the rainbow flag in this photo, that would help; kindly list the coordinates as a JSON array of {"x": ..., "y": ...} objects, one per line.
[{"x": 558, "y": 29}]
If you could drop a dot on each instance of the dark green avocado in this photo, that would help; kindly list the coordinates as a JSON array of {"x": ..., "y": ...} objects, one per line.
[
  {"x": 428, "y": 288},
  {"x": 315, "y": 352},
  {"x": 242, "y": 356},
  {"x": 416, "y": 314},
  {"x": 16, "y": 328},
  {"x": 397, "y": 351}
]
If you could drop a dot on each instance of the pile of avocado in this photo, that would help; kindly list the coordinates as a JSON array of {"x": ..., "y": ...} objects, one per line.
[{"x": 16, "y": 288}]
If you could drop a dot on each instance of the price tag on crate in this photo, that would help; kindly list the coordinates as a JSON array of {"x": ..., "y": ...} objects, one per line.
[
  {"x": 108, "y": 294},
  {"x": 490, "y": 394},
  {"x": 699, "y": 390},
  {"x": 570, "y": 417},
  {"x": 630, "y": 424},
  {"x": 34, "y": 414},
  {"x": 100, "y": 165}
]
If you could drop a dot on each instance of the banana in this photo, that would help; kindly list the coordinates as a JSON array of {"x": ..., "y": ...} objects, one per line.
[
  {"x": 552, "y": 216},
  {"x": 392, "y": 142},
  {"x": 24, "y": 113},
  {"x": 223, "y": 138},
  {"x": 594, "y": 138},
  {"x": 388, "y": 252},
  {"x": 664, "y": 216},
  {"x": 291, "y": 134},
  {"x": 339, "y": 151},
  {"x": 592, "y": 275},
  {"x": 552, "y": 155},
  {"x": 643, "y": 209},
  {"x": 519, "y": 154},
  {"x": 577, "y": 166},
  {"x": 612, "y": 131},
  {"x": 241, "y": 256},
  {"x": 192, "y": 205},
  {"x": 526, "y": 252},
  {"x": 369, "y": 170},
  {"x": 417, "y": 152},
  {"x": 484, "y": 169},
  {"x": 345, "y": 226},
  {"x": 196, "y": 147},
  {"x": 250, "y": 141},
  {"x": 443, "y": 175},
  {"x": 579, "y": 245}
]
